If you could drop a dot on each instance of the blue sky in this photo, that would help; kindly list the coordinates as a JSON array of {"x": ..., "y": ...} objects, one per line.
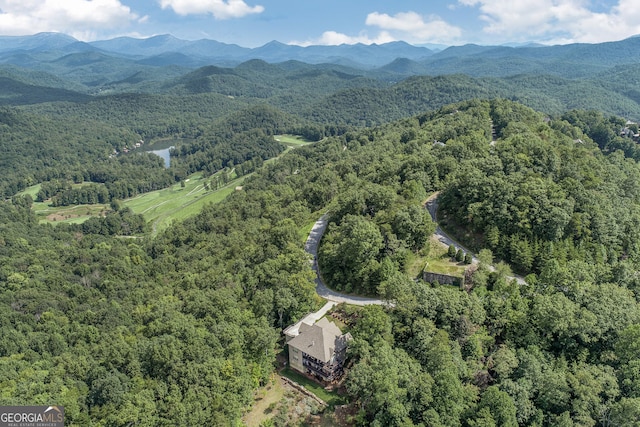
[{"x": 252, "y": 23}]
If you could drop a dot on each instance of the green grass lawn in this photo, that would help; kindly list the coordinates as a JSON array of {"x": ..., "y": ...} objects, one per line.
[
  {"x": 176, "y": 202},
  {"x": 331, "y": 398},
  {"x": 32, "y": 191},
  {"x": 158, "y": 207},
  {"x": 161, "y": 207},
  {"x": 76, "y": 214},
  {"x": 444, "y": 266},
  {"x": 292, "y": 140},
  {"x": 437, "y": 260}
]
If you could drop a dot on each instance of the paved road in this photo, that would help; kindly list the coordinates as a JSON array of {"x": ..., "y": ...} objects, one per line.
[
  {"x": 311, "y": 246},
  {"x": 445, "y": 239}
]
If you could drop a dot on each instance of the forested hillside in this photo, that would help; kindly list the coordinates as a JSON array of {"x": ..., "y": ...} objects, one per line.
[
  {"x": 74, "y": 144},
  {"x": 549, "y": 196},
  {"x": 557, "y": 351},
  {"x": 122, "y": 331},
  {"x": 182, "y": 328},
  {"x": 126, "y": 92},
  {"x": 123, "y": 326},
  {"x": 37, "y": 148}
]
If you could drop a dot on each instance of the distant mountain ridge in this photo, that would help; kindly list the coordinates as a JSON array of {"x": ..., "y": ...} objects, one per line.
[
  {"x": 205, "y": 52},
  {"x": 571, "y": 60},
  {"x": 347, "y": 84}
]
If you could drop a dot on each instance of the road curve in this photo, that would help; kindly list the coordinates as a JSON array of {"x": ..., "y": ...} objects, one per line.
[
  {"x": 311, "y": 246},
  {"x": 318, "y": 229},
  {"x": 445, "y": 239}
]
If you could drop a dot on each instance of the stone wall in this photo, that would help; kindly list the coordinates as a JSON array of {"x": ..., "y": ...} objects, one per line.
[{"x": 443, "y": 279}]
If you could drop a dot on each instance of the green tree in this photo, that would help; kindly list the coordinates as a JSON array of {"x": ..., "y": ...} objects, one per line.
[
  {"x": 413, "y": 225},
  {"x": 390, "y": 388},
  {"x": 451, "y": 252},
  {"x": 374, "y": 325},
  {"x": 500, "y": 406},
  {"x": 625, "y": 413},
  {"x": 468, "y": 258},
  {"x": 349, "y": 254},
  {"x": 627, "y": 346}
]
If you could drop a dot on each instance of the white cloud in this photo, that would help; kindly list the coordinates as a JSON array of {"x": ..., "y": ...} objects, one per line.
[
  {"x": 79, "y": 18},
  {"x": 333, "y": 38},
  {"x": 414, "y": 28},
  {"x": 407, "y": 26},
  {"x": 557, "y": 21},
  {"x": 220, "y": 9}
]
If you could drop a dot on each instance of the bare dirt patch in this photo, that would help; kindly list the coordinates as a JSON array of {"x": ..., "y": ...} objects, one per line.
[
  {"x": 281, "y": 404},
  {"x": 58, "y": 217}
]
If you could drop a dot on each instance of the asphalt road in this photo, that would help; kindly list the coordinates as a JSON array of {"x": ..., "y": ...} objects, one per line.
[
  {"x": 311, "y": 246},
  {"x": 445, "y": 239},
  {"x": 313, "y": 241}
]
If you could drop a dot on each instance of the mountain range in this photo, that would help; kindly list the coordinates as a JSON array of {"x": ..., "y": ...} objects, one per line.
[
  {"x": 166, "y": 49},
  {"x": 330, "y": 82},
  {"x": 470, "y": 59}
]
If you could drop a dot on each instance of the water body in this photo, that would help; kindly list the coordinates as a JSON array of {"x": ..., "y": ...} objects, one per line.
[
  {"x": 164, "y": 153},
  {"x": 161, "y": 147}
]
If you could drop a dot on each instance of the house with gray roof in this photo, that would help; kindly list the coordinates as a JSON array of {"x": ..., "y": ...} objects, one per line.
[{"x": 318, "y": 349}]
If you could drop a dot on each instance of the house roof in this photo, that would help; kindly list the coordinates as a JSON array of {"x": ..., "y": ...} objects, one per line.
[
  {"x": 320, "y": 340},
  {"x": 309, "y": 319}
]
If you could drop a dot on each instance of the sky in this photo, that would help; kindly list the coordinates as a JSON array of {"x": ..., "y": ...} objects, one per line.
[{"x": 253, "y": 23}]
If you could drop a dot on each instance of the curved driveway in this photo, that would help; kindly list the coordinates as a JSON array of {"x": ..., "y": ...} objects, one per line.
[
  {"x": 445, "y": 239},
  {"x": 313, "y": 241},
  {"x": 311, "y": 246}
]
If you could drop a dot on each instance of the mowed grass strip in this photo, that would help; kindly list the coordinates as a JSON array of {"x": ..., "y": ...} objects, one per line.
[
  {"x": 176, "y": 203},
  {"x": 160, "y": 207},
  {"x": 292, "y": 140},
  {"x": 75, "y": 214},
  {"x": 437, "y": 260}
]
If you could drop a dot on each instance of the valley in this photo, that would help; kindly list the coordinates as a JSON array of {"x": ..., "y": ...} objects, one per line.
[
  {"x": 139, "y": 292},
  {"x": 160, "y": 207}
]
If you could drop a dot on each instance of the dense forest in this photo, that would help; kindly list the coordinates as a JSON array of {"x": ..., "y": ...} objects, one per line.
[
  {"x": 330, "y": 95},
  {"x": 329, "y": 85},
  {"x": 530, "y": 157},
  {"x": 181, "y": 328},
  {"x": 55, "y": 151}
]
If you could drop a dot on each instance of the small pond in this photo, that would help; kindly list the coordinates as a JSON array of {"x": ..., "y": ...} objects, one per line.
[
  {"x": 161, "y": 148},
  {"x": 164, "y": 153}
]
